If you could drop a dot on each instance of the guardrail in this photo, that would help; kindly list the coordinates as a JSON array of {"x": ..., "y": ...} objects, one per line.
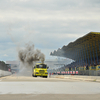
[
  {"x": 4, "y": 73},
  {"x": 86, "y": 72}
]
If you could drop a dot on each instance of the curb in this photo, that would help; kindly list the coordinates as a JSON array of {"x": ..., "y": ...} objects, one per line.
[{"x": 82, "y": 78}]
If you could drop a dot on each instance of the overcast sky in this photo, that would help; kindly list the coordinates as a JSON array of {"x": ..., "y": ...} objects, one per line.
[{"x": 48, "y": 24}]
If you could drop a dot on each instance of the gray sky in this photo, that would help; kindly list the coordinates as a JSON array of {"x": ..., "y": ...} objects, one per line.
[{"x": 49, "y": 24}]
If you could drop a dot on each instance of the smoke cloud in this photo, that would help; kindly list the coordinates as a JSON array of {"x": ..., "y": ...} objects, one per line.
[{"x": 28, "y": 55}]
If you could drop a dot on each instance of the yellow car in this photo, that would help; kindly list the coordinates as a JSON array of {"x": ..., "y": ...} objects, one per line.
[{"x": 40, "y": 70}]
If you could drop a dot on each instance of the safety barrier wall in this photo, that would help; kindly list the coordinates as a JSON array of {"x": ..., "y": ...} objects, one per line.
[
  {"x": 4, "y": 73},
  {"x": 86, "y": 72}
]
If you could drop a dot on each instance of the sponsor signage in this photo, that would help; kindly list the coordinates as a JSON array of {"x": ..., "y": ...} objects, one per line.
[{"x": 76, "y": 72}]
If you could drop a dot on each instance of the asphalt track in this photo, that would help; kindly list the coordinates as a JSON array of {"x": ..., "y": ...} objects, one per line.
[
  {"x": 23, "y": 86},
  {"x": 17, "y": 87}
]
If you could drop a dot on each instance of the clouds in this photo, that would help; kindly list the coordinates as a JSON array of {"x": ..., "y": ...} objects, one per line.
[
  {"x": 49, "y": 24},
  {"x": 53, "y": 10},
  {"x": 5, "y": 55}
]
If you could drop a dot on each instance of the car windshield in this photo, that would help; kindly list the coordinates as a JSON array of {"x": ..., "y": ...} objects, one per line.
[{"x": 41, "y": 66}]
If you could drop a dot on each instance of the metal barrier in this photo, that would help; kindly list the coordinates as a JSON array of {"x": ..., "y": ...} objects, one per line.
[
  {"x": 86, "y": 72},
  {"x": 4, "y": 73}
]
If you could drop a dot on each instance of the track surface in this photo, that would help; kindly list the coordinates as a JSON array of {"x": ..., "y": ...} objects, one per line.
[{"x": 17, "y": 87}]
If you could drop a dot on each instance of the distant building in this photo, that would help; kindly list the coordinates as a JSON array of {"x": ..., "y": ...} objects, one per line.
[{"x": 14, "y": 65}]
